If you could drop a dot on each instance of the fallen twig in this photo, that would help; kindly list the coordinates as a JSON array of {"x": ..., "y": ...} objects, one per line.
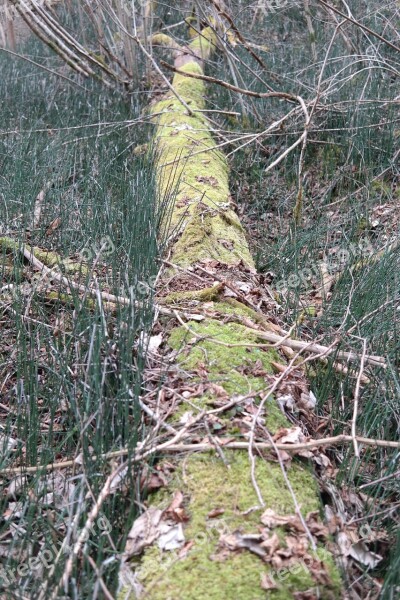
[{"x": 173, "y": 448}]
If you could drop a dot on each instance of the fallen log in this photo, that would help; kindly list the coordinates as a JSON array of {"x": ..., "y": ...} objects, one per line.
[{"x": 203, "y": 535}]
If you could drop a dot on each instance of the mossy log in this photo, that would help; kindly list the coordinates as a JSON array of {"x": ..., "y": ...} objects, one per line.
[{"x": 219, "y": 497}]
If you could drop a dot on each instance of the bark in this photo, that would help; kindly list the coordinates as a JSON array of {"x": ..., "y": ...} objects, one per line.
[{"x": 214, "y": 493}]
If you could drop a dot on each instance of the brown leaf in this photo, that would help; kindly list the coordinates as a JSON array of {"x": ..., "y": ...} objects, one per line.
[
  {"x": 55, "y": 224},
  {"x": 184, "y": 551},
  {"x": 155, "y": 482},
  {"x": 270, "y": 519},
  {"x": 209, "y": 180},
  {"x": 218, "y": 390},
  {"x": 144, "y": 531},
  {"x": 307, "y": 595},
  {"x": 316, "y": 526},
  {"x": 216, "y": 512},
  {"x": 175, "y": 510},
  {"x": 271, "y": 544},
  {"x": 292, "y": 435}
]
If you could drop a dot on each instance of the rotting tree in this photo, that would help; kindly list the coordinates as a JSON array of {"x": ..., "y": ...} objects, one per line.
[
  {"x": 232, "y": 516},
  {"x": 220, "y": 496}
]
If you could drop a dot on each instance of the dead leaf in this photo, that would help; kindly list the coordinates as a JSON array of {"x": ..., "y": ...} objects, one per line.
[
  {"x": 363, "y": 555},
  {"x": 270, "y": 519},
  {"x": 316, "y": 526},
  {"x": 175, "y": 510},
  {"x": 237, "y": 541},
  {"x": 209, "y": 180},
  {"x": 185, "y": 549},
  {"x": 155, "y": 342},
  {"x": 271, "y": 544},
  {"x": 218, "y": 390},
  {"x": 292, "y": 435},
  {"x": 145, "y": 530},
  {"x": 54, "y": 225},
  {"x": 37, "y": 211},
  {"x": 171, "y": 536},
  {"x": 216, "y": 512},
  {"x": 155, "y": 481}
]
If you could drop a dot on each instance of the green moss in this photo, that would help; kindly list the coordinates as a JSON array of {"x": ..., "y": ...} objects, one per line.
[
  {"x": 231, "y": 306},
  {"x": 204, "y": 44},
  {"x": 196, "y": 172},
  {"x": 50, "y": 259},
  {"x": 230, "y": 367},
  {"x": 381, "y": 188},
  {"x": 208, "y": 485},
  {"x": 208, "y": 236},
  {"x": 204, "y": 295},
  {"x": 220, "y": 358},
  {"x": 209, "y": 228},
  {"x": 68, "y": 300}
]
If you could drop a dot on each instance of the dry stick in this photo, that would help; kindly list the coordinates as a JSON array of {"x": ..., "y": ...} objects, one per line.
[
  {"x": 107, "y": 488},
  {"x": 29, "y": 255},
  {"x": 271, "y": 337},
  {"x": 364, "y": 27},
  {"x": 203, "y": 447},
  {"x": 231, "y": 287},
  {"x": 277, "y": 340},
  {"x": 103, "y": 586},
  {"x": 319, "y": 349},
  {"x": 159, "y": 71},
  {"x": 216, "y": 445},
  {"x": 244, "y": 43},
  {"x": 42, "y": 31},
  {"x": 291, "y": 490},
  {"x": 61, "y": 38},
  {"x": 380, "y": 480},
  {"x": 117, "y": 21},
  {"x": 299, "y": 202},
  {"x": 229, "y": 86},
  {"x": 156, "y": 417},
  {"x": 311, "y": 29},
  {"x": 356, "y": 398},
  {"x": 324, "y": 352}
]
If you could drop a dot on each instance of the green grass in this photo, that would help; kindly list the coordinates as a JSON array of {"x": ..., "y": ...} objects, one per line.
[{"x": 70, "y": 374}]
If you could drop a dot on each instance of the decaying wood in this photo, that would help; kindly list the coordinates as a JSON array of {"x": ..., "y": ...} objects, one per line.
[{"x": 207, "y": 237}]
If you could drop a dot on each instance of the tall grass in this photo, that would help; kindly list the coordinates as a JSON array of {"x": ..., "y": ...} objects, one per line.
[{"x": 71, "y": 369}]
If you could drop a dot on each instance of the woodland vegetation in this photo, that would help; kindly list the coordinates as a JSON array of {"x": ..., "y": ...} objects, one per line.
[{"x": 199, "y": 300}]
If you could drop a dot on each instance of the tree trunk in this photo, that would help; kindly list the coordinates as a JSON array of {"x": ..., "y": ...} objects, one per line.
[{"x": 225, "y": 541}]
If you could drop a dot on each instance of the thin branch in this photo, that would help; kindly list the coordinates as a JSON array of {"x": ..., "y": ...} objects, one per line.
[
  {"x": 226, "y": 443},
  {"x": 360, "y": 25}
]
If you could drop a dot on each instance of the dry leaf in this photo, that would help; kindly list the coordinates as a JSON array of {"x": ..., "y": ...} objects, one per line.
[
  {"x": 171, "y": 536},
  {"x": 145, "y": 530},
  {"x": 38, "y": 208},
  {"x": 216, "y": 512},
  {"x": 55, "y": 224},
  {"x": 292, "y": 435}
]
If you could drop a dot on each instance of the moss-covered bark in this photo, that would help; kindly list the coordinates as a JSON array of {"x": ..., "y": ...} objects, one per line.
[{"x": 190, "y": 163}]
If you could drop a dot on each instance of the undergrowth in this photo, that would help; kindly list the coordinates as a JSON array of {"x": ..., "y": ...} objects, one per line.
[{"x": 70, "y": 365}]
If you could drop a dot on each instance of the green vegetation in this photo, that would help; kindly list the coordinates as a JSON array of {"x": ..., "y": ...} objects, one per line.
[{"x": 70, "y": 371}]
